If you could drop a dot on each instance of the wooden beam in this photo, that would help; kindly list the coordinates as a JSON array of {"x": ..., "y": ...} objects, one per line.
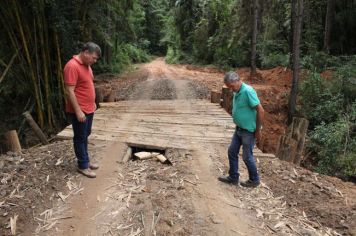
[
  {"x": 127, "y": 155},
  {"x": 146, "y": 146},
  {"x": 226, "y": 96}
]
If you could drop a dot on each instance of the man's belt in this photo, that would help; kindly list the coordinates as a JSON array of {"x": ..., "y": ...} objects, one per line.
[{"x": 239, "y": 128}]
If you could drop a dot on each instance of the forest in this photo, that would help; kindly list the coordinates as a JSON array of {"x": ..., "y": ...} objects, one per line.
[{"x": 313, "y": 38}]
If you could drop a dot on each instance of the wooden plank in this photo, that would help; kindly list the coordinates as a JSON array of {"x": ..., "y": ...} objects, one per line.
[
  {"x": 145, "y": 146},
  {"x": 120, "y": 134},
  {"x": 127, "y": 155},
  {"x": 183, "y": 123}
]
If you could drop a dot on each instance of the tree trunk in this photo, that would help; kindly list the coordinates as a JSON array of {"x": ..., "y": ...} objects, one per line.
[
  {"x": 292, "y": 25},
  {"x": 12, "y": 141},
  {"x": 298, "y": 22},
  {"x": 254, "y": 37},
  {"x": 328, "y": 24}
]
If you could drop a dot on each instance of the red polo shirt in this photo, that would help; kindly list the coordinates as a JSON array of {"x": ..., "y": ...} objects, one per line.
[{"x": 81, "y": 76}]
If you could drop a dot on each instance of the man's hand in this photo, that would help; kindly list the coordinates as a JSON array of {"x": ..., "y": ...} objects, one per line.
[
  {"x": 80, "y": 116},
  {"x": 258, "y": 137},
  {"x": 259, "y": 122}
]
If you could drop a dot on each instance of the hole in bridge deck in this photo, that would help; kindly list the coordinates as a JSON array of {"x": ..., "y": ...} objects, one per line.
[
  {"x": 144, "y": 152},
  {"x": 140, "y": 152}
]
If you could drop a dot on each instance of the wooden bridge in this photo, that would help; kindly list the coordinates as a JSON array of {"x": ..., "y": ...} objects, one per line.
[{"x": 180, "y": 124}]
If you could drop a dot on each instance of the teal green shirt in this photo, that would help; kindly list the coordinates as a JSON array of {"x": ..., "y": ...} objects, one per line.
[{"x": 244, "y": 108}]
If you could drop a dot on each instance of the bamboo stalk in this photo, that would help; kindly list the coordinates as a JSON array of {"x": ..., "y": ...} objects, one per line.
[
  {"x": 8, "y": 66},
  {"x": 44, "y": 63},
  {"x": 29, "y": 61},
  {"x": 60, "y": 79}
]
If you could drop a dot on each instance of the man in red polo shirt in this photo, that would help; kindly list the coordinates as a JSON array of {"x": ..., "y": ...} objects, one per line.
[{"x": 78, "y": 79}]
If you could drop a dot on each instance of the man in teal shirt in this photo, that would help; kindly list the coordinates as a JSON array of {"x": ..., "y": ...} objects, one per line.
[{"x": 247, "y": 113}]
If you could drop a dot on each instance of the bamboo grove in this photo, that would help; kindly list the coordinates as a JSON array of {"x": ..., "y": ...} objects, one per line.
[
  {"x": 38, "y": 36},
  {"x": 37, "y": 55}
]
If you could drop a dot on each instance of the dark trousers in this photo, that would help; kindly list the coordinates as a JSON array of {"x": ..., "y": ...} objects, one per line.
[
  {"x": 245, "y": 139},
  {"x": 81, "y": 132}
]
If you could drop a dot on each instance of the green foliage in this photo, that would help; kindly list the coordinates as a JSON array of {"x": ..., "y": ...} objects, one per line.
[
  {"x": 320, "y": 103},
  {"x": 335, "y": 149},
  {"x": 330, "y": 106},
  {"x": 273, "y": 53},
  {"x": 320, "y": 61},
  {"x": 275, "y": 59},
  {"x": 347, "y": 74},
  {"x": 173, "y": 56},
  {"x": 155, "y": 17},
  {"x": 125, "y": 55}
]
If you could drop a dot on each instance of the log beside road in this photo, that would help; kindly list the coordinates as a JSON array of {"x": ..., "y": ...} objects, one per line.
[{"x": 35, "y": 128}]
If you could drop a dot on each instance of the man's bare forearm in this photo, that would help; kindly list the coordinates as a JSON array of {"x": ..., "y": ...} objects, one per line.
[
  {"x": 73, "y": 99},
  {"x": 260, "y": 117}
]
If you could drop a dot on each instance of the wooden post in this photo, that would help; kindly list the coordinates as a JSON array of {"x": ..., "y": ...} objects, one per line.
[
  {"x": 300, "y": 128},
  {"x": 35, "y": 127},
  {"x": 290, "y": 146},
  {"x": 106, "y": 94},
  {"x": 226, "y": 103},
  {"x": 111, "y": 97},
  {"x": 215, "y": 97},
  {"x": 99, "y": 97},
  {"x": 127, "y": 155},
  {"x": 12, "y": 141}
]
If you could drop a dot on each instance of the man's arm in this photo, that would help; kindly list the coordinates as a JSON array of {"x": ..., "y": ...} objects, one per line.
[
  {"x": 73, "y": 100},
  {"x": 259, "y": 121}
]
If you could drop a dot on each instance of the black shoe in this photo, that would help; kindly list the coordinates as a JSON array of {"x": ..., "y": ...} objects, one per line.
[
  {"x": 228, "y": 180},
  {"x": 250, "y": 184}
]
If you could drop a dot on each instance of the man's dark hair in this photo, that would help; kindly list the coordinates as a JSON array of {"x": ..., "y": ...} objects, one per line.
[{"x": 92, "y": 47}]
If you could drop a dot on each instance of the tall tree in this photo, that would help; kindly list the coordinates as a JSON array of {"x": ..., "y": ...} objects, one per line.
[
  {"x": 294, "y": 9},
  {"x": 297, "y": 30},
  {"x": 328, "y": 24},
  {"x": 254, "y": 37}
]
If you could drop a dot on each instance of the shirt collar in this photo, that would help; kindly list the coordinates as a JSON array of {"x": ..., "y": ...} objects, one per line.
[
  {"x": 76, "y": 59},
  {"x": 242, "y": 88}
]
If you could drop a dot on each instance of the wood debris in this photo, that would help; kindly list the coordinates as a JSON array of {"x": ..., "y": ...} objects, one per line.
[
  {"x": 146, "y": 155},
  {"x": 163, "y": 159},
  {"x": 13, "y": 221}
]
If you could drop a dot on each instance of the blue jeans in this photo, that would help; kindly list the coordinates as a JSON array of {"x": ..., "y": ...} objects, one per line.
[
  {"x": 81, "y": 132},
  {"x": 245, "y": 139}
]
